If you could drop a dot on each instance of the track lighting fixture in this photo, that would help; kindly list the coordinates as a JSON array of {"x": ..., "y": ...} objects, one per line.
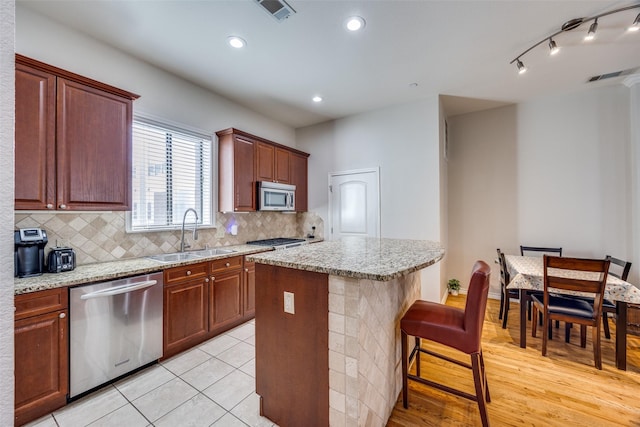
[
  {"x": 592, "y": 31},
  {"x": 572, "y": 24}
]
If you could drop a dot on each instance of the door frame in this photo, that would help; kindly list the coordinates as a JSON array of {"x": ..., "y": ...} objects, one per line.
[{"x": 376, "y": 172}]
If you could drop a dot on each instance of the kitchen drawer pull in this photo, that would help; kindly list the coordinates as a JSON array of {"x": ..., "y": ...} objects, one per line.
[
  {"x": 62, "y": 315},
  {"x": 119, "y": 290},
  {"x": 188, "y": 272},
  {"x": 227, "y": 264}
]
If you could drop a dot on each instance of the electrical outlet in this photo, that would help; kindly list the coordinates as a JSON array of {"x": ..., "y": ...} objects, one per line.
[{"x": 289, "y": 305}]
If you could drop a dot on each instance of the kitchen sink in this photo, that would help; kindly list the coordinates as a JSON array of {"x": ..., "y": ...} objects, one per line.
[
  {"x": 186, "y": 256},
  {"x": 204, "y": 253},
  {"x": 175, "y": 257}
]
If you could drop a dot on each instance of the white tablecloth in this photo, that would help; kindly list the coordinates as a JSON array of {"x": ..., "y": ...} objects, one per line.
[{"x": 528, "y": 273}]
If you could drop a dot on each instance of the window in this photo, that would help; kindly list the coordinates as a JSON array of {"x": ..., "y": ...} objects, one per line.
[{"x": 171, "y": 173}]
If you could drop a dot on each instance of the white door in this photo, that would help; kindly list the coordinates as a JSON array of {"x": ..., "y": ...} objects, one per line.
[{"x": 354, "y": 203}]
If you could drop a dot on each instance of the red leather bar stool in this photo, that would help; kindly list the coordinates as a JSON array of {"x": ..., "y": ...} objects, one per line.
[{"x": 453, "y": 327}]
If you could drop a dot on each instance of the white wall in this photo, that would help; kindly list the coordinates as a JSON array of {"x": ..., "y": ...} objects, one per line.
[
  {"x": 555, "y": 171},
  {"x": 633, "y": 82},
  {"x": 7, "y": 107},
  {"x": 162, "y": 94},
  {"x": 404, "y": 141}
]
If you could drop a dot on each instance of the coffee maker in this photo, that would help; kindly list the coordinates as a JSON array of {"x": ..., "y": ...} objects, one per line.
[{"x": 28, "y": 256}]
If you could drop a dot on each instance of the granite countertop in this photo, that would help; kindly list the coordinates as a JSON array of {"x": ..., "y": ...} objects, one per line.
[
  {"x": 358, "y": 257},
  {"x": 102, "y": 271}
]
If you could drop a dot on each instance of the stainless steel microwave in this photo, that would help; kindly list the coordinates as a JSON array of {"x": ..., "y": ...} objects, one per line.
[{"x": 273, "y": 196}]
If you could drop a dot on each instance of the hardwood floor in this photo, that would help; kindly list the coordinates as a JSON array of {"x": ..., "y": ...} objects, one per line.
[{"x": 526, "y": 388}]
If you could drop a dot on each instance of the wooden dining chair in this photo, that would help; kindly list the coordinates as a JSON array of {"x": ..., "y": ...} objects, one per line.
[
  {"x": 524, "y": 250},
  {"x": 505, "y": 294},
  {"x": 569, "y": 308},
  {"x": 621, "y": 271},
  {"x": 452, "y": 327},
  {"x": 539, "y": 251}
]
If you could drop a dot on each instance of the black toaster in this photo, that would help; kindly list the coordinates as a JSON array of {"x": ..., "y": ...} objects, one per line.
[{"x": 61, "y": 259}]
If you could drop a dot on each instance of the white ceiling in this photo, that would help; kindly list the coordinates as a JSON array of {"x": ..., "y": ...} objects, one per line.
[{"x": 450, "y": 47}]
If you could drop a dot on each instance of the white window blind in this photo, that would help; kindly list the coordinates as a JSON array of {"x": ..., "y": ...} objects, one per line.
[{"x": 171, "y": 173}]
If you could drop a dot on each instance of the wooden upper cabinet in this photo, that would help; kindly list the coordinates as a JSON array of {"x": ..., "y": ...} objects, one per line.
[
  {"x": 299, "y": 179},
  {"x": 93, "y": 148},
  {"x": 272, "y": 163},
  {"x": 281, "y": 167},
  {"x": 73, "y": 140},
  {"x": 265, "y": 154},
  {"x": 35, "y": 157},
  {"x": 246, "y": 159},
  {"x": 236, "y": 174}
]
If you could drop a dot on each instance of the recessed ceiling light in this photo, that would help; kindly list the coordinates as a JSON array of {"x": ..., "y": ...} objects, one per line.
[
  {"x": 317, "y": 98},
  {"x": 236, "y": 42},
  {"x": 355, "y": 23}
]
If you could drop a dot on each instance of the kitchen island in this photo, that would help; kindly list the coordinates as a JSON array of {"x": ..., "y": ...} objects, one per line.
[{"x": 327, "y": 328}]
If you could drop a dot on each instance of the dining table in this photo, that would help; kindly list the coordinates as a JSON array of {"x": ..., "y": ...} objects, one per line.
[{"x": 527, "y": 275}]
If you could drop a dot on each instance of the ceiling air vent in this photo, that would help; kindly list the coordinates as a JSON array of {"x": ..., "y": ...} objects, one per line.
[
  {"x": 279, "y": 9},
  {"x": 612, "y": 75}
]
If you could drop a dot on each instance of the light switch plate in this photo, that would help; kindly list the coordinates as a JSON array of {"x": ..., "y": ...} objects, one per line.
[{"x": 289, "y": 305}]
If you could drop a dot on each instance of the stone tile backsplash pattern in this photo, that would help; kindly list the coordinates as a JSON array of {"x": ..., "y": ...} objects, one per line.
[{"x": 101, "y": 236}]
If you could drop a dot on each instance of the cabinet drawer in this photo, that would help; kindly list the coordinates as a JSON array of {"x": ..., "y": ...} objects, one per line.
[
  {"x": 40, "y": 302},
  {"x": 225, "y": 264},
  {"x": 192, "y": 271}
]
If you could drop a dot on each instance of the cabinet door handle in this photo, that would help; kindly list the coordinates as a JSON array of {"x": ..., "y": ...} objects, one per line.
[
  {"x": 213, "y": 278},
  {"x": 227, "y": 264},
  {"x": 246, "y": 270},
  {"x": 188, "y": 272},
  {"x": 63, "y": 206},
  {"x": 62, "y": 315},
  {"x": 206, "y": 280},
  {"x": 49, "y": 205}
]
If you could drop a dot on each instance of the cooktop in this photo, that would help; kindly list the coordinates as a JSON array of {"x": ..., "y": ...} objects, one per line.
[{"x": 278, "y": 241}]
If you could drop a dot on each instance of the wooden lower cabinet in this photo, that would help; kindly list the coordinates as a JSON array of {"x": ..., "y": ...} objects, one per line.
[
  {"x": 185, "y": 315},
  {"x": 249, "y": 291},
  {"x": 41, "y": 353},
  {"x": 225, "y": 294},
  {"x": 205, "y": 299},
  {"x": 225, "y": 301}
]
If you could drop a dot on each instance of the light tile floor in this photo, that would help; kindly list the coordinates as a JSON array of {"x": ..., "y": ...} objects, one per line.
[{"x": 212, "y": 384}]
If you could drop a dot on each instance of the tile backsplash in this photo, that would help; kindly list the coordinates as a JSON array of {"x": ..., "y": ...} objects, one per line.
[{"x": 101, "y": 236}]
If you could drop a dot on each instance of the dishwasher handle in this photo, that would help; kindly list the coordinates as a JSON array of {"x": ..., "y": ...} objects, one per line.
[{"x": 117, "y": 290}]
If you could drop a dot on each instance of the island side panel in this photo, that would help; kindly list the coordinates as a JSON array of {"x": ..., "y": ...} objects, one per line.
[{"x": 292, "y": 361}]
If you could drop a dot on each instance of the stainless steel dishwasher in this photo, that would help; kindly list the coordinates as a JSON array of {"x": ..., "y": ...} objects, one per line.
[{"x": 115, "y": 327}]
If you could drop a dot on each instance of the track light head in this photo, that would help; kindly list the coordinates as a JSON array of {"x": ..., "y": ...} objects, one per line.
[
  {"x": 592, "y": 31},
  {"x": 636, "y": 24},
  {"x": 521, "y": 67},
  {"x": 553, "y": 47}
]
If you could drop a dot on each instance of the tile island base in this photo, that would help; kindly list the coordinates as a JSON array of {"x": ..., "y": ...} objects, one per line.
[{"x": 335, "y": 360}]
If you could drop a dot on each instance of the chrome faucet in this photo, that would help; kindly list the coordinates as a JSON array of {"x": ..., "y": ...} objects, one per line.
[{"x": 184, "y": 245}]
